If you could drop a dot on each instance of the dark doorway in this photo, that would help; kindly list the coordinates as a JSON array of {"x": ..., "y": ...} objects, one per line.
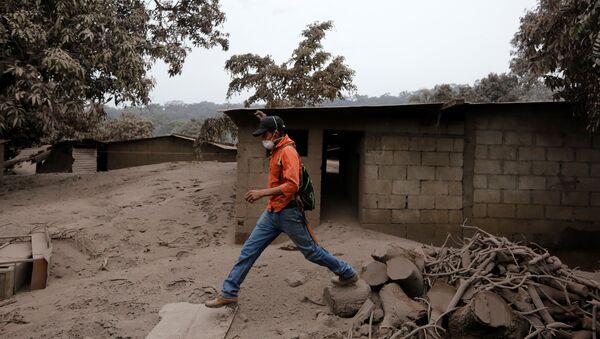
[{"x": 339, "y": 185}]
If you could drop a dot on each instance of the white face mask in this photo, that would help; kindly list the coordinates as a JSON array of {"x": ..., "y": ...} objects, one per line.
[{"x": 268, "y": 144}]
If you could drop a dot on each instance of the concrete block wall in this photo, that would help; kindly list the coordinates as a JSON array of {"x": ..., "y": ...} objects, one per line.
[
  {"x": 253, "y": 171},
  {"x": 411, "y": 184},
  {"x": 536, "y": 178}
]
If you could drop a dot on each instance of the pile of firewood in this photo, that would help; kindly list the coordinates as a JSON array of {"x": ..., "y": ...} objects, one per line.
[{"x": 486, "y": 287}]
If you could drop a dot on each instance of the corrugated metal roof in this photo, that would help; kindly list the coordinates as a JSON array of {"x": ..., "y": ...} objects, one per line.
[
  {"x": 223, "y": 146},
  {"x": 180, "y": 136}
]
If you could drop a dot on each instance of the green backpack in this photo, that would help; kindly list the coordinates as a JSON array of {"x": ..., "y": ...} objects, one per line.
[{"x": 306, "y": 192}]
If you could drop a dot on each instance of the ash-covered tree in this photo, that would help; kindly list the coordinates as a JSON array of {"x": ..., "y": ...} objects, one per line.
[
  {"x": 61, "y": 60},
  {"x": 218, "y": 129},
  {"x": 128, "y": 126},
  {"x": 310, "y": 77},
  {"x": 560, "y": 42}
]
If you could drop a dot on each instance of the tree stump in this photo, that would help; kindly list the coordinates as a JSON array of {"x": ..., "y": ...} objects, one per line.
[
  {"x": 374, "y": 274},
  {"x": 345, "y": 301},
  {"x": 398, "y": 307},
  {"x": 404, "y": 272}
]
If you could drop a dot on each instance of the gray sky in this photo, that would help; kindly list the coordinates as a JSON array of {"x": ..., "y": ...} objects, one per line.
[{"x": 393, "y": 45}]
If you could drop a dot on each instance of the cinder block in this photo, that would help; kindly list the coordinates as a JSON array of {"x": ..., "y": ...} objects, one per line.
[
  {"x": 502, "y": 152},
  {"x": 434, "y": 188},
  {"x": 371, "y": 171},
  {"x": 480, "y": 181},
  {"x": 595, "y": 171},
  {"x": 435, "y": 158},
  {"x": 445, "y": 144},
  {"x": 393, "y": 172},
  {"x": 459, "y": 145},
  {"x": 448, "y": 173},
  {"x": 575, "y": 169},
  {"x": 479, "y": 210},
  {"x": 402, "y": 187},
  {"x": 456, "y": 159},
  {"x": 516, "y": 196},
  {"x": 595, "y": 199},
  {"x": 378, "y": 186},
  {"x": 549, "y": 139},
  {"x": 391, "y": 201},
  {"x": 379, "y": 157},
  {"x": 240, "y": 210},
  {"x": 532, "y": 153},
  {"x": 560, "y": 154},
  {"x": 456, "y": 128},
  {"x": 559, "y": 212},
  {"x": 376, "y": 216},
  {"x": 501, "y": 210},
  {"x": 394, "y": 142},
  {"x": 530, "y": 212},
  {"x": 487, "y": 137},
  {"x": 407, "y": 158},
  {"x": 369, "y": 200},
  {"x": 481, "y": 152},
  {"x": 588, "y": 155},
  {"x": 518, "y": 138},
  {"x": 421, "y": 144},
  {"x": 502, "y": 181},
  {"x": 373, "y": 142},
  {"x": 405, "y": 216},
  {"x": 455, "y": 188},
  {"x": 420, "y": 173},
  {"x": 448, "y": 202},
  {"x": 575, "y": 199},
  {"x": 421, "y": 202},
  {"x": 544, "y": 168},
  {"x": 487, "y": 167},
  {"x": 532, "y": 182},
  {"x": 517, "y": 167},
  {"x": 486, "y": 195},
  {"x": 455, "y": 217},
  {"x": 588, "y": 184},
  {"x": 587, "y": 213},
  {"x": 435, "y": 216},
  {"x": 578, "y": 140}
]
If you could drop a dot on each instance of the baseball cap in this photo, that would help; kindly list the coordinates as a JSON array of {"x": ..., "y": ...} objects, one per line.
[{"x": 270, "y": 123}]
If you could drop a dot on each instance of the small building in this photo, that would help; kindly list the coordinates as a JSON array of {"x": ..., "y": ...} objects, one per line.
[
  {"x": 2, "y": 142},
  {"x": 167, "y": 148},
  {"x": 528, "y": 171},
  {"x": 72, "y": 156}
]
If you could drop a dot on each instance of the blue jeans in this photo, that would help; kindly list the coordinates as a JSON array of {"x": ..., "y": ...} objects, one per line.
[{"x": 270, "y": 225}]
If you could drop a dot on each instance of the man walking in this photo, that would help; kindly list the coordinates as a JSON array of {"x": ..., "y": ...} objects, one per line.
[{"x": 283, "y": 214}]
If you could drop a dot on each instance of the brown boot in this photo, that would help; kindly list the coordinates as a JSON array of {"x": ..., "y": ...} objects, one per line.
[
  {"x": 220, "y": 301},
  {"x": 339, "y": 281}
]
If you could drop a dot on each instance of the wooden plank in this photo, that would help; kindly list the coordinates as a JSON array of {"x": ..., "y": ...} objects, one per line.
[
  {"x": 41, "y": 249},
  {"x": 85, "y": 160}
]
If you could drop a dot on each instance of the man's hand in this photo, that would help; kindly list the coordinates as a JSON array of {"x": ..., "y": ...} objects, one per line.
[
  {"x": 260, "y": 114},
  {"x": 254, "y": 195}
]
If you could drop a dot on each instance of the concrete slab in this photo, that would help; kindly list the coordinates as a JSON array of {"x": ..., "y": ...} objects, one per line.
[{"x": 191, "y": 321}]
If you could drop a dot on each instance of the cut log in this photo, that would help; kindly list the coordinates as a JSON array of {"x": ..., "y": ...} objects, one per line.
[
  {"x": 363, "y": 314},
  {"x": 345, "y": 301},
  {"x": 404, "y": 272},
  {"x": 392, "y": 251},
  {"x": 485, "y": 312},
  {"x": 439, "y": 296},
  {"x": 398, "y": 307},
  {"x": 519, "y": 299},
  {"x": 547, "y": 292},
  {"x": 374, "y": 274},
  {"x": 582, "y": 335}
]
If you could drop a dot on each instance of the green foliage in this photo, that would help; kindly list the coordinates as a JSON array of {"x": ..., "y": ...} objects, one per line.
[
  {"x": 61, "y": 60},
  {"x": 128, "y": 126},
  {"x": 311, "y": 76},
  {"x": 560, "y": 42}
]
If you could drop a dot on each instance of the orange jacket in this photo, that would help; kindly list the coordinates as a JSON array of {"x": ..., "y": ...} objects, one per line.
[{"x": 284, "y": 172}]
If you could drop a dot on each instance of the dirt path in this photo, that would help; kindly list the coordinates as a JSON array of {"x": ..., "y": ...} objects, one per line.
[{"x": 166, "y": 233}]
